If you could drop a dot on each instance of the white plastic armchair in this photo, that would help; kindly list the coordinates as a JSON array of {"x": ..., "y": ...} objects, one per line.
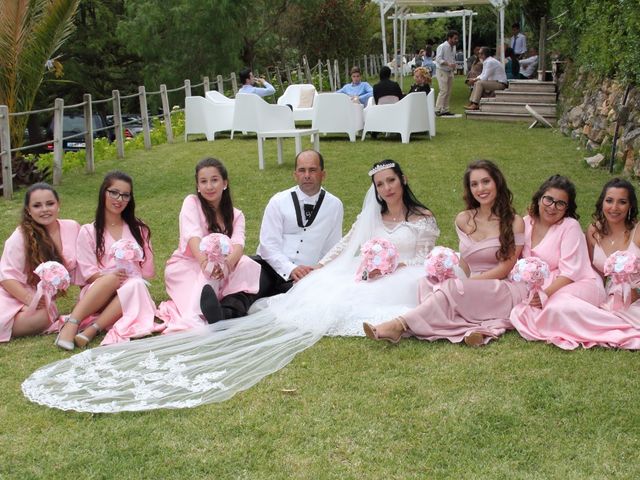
[
  {"x": 253, "y": 114},
  {"x": 217, "y": 97},
  {"x": 336, "y": 113},
  {"x": 409, "y": 115},
  {"x": 202, "y": 116},
  {"x": 291, "y": 96}
]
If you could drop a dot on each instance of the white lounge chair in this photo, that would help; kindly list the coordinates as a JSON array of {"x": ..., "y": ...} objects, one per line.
[
  {"x": 202, "y": 116},
  {"x": 217, "y": 97},
  {"x": 292, "y": 96},
  {"x": 336, "y": 113},
  {"x": 409, "y": 115},
  {"x": 253, "y": 114}
]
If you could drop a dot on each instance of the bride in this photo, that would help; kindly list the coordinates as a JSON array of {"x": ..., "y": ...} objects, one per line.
[{"x": 215, "y": 362}]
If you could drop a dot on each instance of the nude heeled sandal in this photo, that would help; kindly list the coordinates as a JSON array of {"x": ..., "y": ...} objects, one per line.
[
  {"x": 66, "y": 344},
  {"x": 81, "y": 340},
  {"x": 372, "y": 333}
]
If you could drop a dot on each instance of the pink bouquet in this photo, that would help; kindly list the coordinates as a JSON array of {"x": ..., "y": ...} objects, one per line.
[
  {"x": 53, "y": 277},
  {"x": 126, "y": 254},
  {"x": 216, "y": 246},
  {"x": 377, "y": 254},
  {"x": 533, "y": 272},
  {"x": 623, "y": 269},
  {"x": 440, "y": 264}
]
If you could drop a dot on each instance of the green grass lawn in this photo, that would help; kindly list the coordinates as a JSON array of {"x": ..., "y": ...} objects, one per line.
[{"x": 360, "y": 409}]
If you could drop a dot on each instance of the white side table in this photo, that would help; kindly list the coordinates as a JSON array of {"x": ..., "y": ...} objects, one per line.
[{"x": 296, "y": 133}]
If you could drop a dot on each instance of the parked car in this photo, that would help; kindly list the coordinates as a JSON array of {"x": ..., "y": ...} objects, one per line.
[
  {"x": 131, "y": 124},
  {"x": 74, "y": 123}
]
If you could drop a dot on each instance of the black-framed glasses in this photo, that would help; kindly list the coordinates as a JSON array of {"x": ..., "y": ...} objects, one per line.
[
  {"x": 559, "y": 204},
  {"x": 116, "y": 195}
]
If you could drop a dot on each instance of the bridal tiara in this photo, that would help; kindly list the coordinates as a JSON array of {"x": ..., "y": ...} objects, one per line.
[{"x": 381, "y": 167}]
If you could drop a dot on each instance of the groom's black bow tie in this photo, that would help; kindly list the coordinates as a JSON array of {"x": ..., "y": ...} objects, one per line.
[{"x": 308, "y": 210}]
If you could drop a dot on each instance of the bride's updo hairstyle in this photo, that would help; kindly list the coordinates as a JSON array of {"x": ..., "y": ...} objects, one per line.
[
  {"x": 414, "y": 206},
  {"x": 502, "y": 207}
]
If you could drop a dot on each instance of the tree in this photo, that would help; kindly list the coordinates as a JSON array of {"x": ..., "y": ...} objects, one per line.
[{"x": 31, "y": 31}]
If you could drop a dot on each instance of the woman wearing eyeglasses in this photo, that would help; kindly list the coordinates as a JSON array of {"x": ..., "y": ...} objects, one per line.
[
  {"x": 111, "y": 299},
  {"x": 553, "y": 234}
]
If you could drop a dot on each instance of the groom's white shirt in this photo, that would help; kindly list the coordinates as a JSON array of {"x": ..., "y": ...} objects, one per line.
[{"x": 284, "y": 245}]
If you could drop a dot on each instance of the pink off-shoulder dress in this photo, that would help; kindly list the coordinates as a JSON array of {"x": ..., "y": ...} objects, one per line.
[
  {"x": 454, "y": 309},
  {"x": 184, "y": 278},
  {"x": 12, "y": 267},
  {"x": 564, "y": 248},
  {"x": 138, "y": 308}
]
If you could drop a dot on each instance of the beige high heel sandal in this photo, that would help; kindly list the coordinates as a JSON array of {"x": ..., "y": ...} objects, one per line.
[
  {"x": 372, "y": 333},
  {"x": 81, "y": 340}
]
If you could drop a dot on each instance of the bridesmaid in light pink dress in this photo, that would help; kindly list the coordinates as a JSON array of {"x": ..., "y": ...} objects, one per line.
[
  {"x": 614, "y": 228},
  {"x": 40, "y": 237},
  {"x": 553, "y": 234},
  {"x": 112, "y": 299},
  {"x": 474, "y": 310},
  {"x": 201, "y": 292}
]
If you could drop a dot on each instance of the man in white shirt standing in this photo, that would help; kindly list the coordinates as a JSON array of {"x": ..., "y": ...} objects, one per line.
[
  {"x": 518, "y": 40},
  {"x": 492, "y": 78},
  {"x": 445, "y": 70},
  {"x": 257, "y": 86},
  {"x": 299, "y": 226}
]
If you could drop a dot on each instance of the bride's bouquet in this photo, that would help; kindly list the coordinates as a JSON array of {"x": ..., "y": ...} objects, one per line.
[
  {"x": 533, "y": 272},
  {"x": 623, "y": 270},
  {"x": 126, "y": 254},
  {"x": 53, "y": 277},
  {"x": 377, "y": 254},
  {"x": 216, "y": 247}
]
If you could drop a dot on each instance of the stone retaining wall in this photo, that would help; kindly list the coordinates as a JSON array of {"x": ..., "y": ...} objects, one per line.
[{"x": 590, "y": 109}]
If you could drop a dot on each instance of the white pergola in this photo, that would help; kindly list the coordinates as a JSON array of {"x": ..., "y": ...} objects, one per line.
[{"x": 402, "y": 14}]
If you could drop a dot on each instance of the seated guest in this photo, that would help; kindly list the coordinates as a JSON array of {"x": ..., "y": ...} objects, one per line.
[
  {"x": 428, "y": 62},
  {"x": 417, "y": 60},
  {"x": 299, "y": 226},
  {"x": 475, "y": 67},
  {"x": 386, "y": 86},
  {"x": 512, "y": 65},
  {"x": 529, "y": 65},
  {"x": 357, "y": 90},
  {"x": 492, "y": 78},
  {"x": 257, "y": 86},
  {"x": 422, "y": 79}
]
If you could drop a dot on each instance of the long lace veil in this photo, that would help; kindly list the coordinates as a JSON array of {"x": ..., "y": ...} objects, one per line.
[{"x": 208, "y": 364}]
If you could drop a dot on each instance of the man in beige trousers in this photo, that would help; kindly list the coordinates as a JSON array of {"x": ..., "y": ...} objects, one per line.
[
  {"x": 492, "y": 78},
  {"x": 445, "y": 70}
]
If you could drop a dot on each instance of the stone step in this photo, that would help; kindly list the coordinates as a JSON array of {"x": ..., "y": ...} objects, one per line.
[
  {"x": 522, "y": 97},
  {"x": 505, "y": 117},
  {"x": 491, "y": 105},
  {"x": 531, "y": 86}
]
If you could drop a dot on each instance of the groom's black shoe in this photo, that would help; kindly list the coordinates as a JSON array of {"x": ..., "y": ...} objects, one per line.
[
  {"x": 236, "y": 305},
  {"x": 210, "y": 305}
]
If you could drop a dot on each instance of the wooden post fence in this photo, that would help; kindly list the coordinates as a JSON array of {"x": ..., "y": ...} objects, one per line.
[
  {"x": 58, "y": 115},
  {"x": 5, "y": 154},
  {"x": 166, "y": 112},
  {"x": 88, "y": 135},
  {"x": 205, "y": 85},
  {"x": 234, "y": 83},
  {"x": 144, "y": 113},
  {"x": 117, "y": 124},
  {"x": 187, "y": 88}
]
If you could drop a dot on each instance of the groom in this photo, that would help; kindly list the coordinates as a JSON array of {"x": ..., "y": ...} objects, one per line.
[{"x": 299, "y": 226}]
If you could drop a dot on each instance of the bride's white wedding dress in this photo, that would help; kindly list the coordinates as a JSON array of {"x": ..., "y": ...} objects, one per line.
[{"x": 213, "y": 363}]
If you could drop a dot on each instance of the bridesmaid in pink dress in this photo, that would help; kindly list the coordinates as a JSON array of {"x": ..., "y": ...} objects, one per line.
[
  {"x": 40, "y": 237},
  {"x": 614, "y": 228},
  {"x": 553, "y": 234},
  {"x": 197, "y": 288},
  {"x": 491, "y": 238},
  {"x": 111, "y": 299}
]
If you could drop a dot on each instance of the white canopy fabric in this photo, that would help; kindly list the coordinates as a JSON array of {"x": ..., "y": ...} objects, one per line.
[{"x": 402, "y": 13}]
